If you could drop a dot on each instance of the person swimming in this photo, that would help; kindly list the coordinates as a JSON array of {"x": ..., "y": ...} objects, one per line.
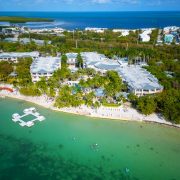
[{"x": 95, "y": 146}]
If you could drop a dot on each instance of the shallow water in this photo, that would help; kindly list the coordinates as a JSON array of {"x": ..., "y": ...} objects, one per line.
[{"x": 63, "y": 147}]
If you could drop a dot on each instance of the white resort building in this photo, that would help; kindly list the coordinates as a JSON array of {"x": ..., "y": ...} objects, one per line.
[
  {"x": 44, "y": 67},
  {"x": 91, "y": 58},
  {"x": 124, "y": 32},
  {"x": 139, "y": 80},
  {"x": 27, "y": 41},
  {"x": 14, "y": 56},
  {"x": 71, "y": 60},
  {"x": 96, "y": 30},
  {"x": 145, "y": 35}
]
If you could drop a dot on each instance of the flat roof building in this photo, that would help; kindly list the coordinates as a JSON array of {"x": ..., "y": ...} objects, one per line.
[{"x": 44, "y": 67}]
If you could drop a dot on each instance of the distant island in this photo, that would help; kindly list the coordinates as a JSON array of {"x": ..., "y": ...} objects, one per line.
[{"x": 18, "y": 19}]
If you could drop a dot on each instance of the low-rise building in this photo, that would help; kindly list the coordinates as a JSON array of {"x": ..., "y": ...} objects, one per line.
[
  {"x": 96, "y": 30},
  {"x": 11, "y": 39},
  {"x": 11, "y": 31},
  {"x": 106, "y": 65},
  {"x": 145, "y": 35},
  {"x": 26, "y": 41},
  {"x": 71, "y": 60},
  {"x": 124, "y": 32},
  {"x": 91, "y": 58},
  {"x": 44, "y": 67},
  {"x": 139, "y": 80},
  {"x": 169, "y": 29},
  {"x": 14, "y": 56},
  {"x": 47, "y": 30}
]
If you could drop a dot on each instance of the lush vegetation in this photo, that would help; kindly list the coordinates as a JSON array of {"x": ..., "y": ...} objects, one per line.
[
  {"x": 161, "y": 59},
  {"x": 5, "y": 69},
  {"x": 67, "y": 98},
  {"x": 13, "y": 19},
  {"x": 30, "y": 91}
]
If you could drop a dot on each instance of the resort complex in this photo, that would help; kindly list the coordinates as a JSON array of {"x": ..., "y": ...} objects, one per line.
[
  {"x": 139, "y": 80},
  {"x": 89, "y": 90},
  {"x": 95, "y": 71}
]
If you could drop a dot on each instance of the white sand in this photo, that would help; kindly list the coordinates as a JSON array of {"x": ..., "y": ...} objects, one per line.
[{"x": 119, "y": 113}]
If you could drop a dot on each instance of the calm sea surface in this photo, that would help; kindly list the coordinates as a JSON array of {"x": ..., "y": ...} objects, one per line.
[
  {"x": 80, "y": 20},
  {"x": 61, "y": 148}
]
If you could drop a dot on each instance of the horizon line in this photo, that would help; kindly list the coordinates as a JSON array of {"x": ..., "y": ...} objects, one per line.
[{"x": 96, "y": 11}]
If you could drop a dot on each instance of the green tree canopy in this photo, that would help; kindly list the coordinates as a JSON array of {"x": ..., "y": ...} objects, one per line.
[
  {"x": 79, "y": 61},
  {"x": 5, "y": 69},
  {"x": 114, "y": 84},
  {"x": 146, "y": 104}
]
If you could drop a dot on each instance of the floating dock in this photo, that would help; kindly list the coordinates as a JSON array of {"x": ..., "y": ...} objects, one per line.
[{"x": 30, "y": 111}]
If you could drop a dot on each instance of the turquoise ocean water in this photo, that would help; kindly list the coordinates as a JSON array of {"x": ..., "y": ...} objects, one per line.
[
  {"x": 81, "y": 20},
  {"x": 62, "y": 147}
]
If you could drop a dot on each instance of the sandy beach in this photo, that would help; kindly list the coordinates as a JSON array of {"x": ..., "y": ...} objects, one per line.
[{"x": 116, "y": 113}]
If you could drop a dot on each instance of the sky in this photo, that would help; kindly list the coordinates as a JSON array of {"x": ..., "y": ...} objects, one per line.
[{"x": 89, "y": 5}]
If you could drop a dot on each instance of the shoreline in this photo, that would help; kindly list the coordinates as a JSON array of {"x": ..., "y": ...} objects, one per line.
[{"x": 109, "y": 113}]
